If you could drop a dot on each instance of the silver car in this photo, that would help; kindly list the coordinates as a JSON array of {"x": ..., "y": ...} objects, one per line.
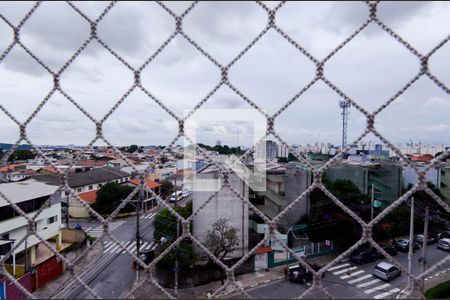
[
  {"x": 444, "y": 244},
  {"x": 386, "y": 271}
]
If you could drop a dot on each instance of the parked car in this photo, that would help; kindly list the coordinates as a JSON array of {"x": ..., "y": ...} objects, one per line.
[
  {"x": 419, "y": 239},
  {"x": 377, "y": 255},
  {"x": 403, "y": 245},
  {"x": 362, "y": 258},
  {"x": 146, "y": 256},
  {"x": 186, "y": 193},
  {"x": 386, "y": 271},
  {"x": 176, "y": 196},
  {"x": 300, "y": 274},
  {"x": 444, "y": 244},
  {"x": 442, "y": 235},
  {"x": 390, "y": 250}
]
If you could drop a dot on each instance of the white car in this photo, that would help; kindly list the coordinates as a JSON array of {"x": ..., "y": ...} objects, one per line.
[
  {"x": 176, "y": 196},
  {"x": 444, "y": 244},
  {"x": 186, "y": 193},
  {"x": 386, "y": 271}
]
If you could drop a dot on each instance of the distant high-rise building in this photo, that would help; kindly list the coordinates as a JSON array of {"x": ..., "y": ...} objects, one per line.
[
  {"x": 282, "y": 151},
  {"x": 267, "y": 149}
]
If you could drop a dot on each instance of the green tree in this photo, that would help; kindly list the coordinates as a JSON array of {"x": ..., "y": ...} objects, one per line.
[
  {"x": 110, "y": 196},
  {"x": 291, "y": 157},
  {"x": 282, "y": 159},
  {"x": 221, "y": 240},
  {"x": 165, "y": 223},
  {"x": 344, "y": 187},
  {"x": 1, "y": 153},
  {"x": 21, "y": 154},
  {"x": 167, "y": 188},
  {"x": 132, "y": 148},
  {"x": 186, "y": 256}
]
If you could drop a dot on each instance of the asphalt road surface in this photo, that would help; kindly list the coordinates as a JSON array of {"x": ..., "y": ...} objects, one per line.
[
  {"x": 112, "y": 276},
  {"x": 350, "y": 281}
]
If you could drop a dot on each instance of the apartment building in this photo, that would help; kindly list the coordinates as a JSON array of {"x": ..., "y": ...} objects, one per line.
[{"x": 30, "y": 196}]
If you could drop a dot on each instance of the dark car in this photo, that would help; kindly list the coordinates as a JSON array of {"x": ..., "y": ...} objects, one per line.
[
  {"x": 362, "y": 258},
  {"x": 300, "y": 274},
  {"x": 146, "y": 256},
  {"x": 377, "y": 255},
  {"x": 403, "y": 245},
  {"x": 442, "y": 235},
  {"x": 419, "y": 239},
  {"x": 390, "y": 250}
]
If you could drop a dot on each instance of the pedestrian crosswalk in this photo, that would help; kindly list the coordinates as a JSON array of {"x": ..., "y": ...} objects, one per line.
[
  {"x": 371, "y": 285},
  {"x": 149, "y": 216},
  {"x": 113, "y": 247},
  {"x": 98, "y": 231}
]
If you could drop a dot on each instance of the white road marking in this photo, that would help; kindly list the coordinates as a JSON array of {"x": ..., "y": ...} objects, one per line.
[
  {"x": 361, "y": 278},
  {"x": 98, "y": 231},
  {"x": 352, "y": 274},
  {"x": 380, "y": 287},
  {"x": 338, "y": 267},
  {"x": 368, "y": 283},
  {"x": 385, "y": 294},
  {"x": 344, "y": 270},
  {"x": 131, "y": 246},
  {"x": 144, "y": 245},
  {"x": 109, "y": 245},
  {"x": 149, "y": 216},
  {"x": 113, "y": 249}
]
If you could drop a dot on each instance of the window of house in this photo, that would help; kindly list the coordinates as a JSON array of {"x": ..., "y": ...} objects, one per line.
[
  {"x": 78, "y": 190},
  {"x": 52, "y": 219},
  {"x": 90, "y": 187},
  {"x": 5, "y": 236}
]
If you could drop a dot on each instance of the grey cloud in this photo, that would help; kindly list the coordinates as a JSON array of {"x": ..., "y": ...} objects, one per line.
[
  {"x": 393, "y": 12},
  {"x": 370, "y": 69},
  {"x": 19, "y": 61}
]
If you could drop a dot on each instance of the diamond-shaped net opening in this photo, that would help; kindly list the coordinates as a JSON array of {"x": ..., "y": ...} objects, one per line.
[{"x": 161, "y": 245}]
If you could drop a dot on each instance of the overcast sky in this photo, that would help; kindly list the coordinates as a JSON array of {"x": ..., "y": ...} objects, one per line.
[{"x": 370, "y": 69}]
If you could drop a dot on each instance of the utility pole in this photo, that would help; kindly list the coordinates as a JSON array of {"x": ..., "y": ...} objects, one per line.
[
  {"x": 425, "y": 239},
  {"x": 411, "y": 233},
  {"x": 176, "y": 263},
  {"x": 138, "y": 238},
  {"x": 371, "y": 203},
  {"x": 67, "y": 211}
]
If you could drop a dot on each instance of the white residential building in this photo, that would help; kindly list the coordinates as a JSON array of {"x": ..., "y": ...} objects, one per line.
[{"x": 30, "y": 196}]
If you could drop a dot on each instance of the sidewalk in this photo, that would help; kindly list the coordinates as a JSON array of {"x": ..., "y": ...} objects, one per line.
[
  {"x": 246, "y": 281},
  {"x": 53, "y": 286}
]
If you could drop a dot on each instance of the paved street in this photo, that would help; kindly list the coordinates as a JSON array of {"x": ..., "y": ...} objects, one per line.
[
  {"x": 347, "y": 280},
  {"x": 112, "y": 275}
]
